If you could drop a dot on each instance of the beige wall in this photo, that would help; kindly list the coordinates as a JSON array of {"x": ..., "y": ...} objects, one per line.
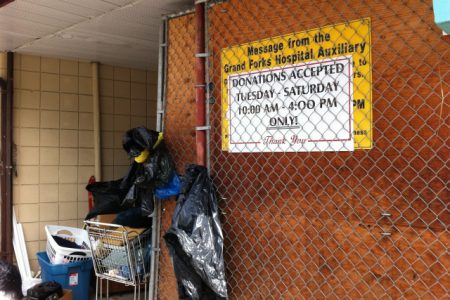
[
  {"x": 127, "y": 99},
  {"x": 53, "y": 131}
]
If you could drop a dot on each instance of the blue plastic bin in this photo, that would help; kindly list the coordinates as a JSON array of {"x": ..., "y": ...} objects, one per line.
[{"x": 75, "y": 275}]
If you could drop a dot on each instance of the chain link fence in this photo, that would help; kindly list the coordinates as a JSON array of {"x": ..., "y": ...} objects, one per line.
[
  {"x": 179, "y": 125},
  {"x": 329, "y": 146}
]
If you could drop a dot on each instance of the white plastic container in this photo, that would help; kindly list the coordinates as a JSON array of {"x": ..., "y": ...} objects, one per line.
[{"x": 63, "y": 255}]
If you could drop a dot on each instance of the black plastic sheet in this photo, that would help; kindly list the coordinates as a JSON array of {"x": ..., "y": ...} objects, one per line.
[{"x": 195, "y": 239}]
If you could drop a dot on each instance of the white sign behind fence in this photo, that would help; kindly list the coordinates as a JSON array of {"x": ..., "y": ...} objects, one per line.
[{"x": 302, "y": 107}]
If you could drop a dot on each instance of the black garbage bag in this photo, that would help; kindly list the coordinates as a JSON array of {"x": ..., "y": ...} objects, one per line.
[
  {"x": 153, "y": 172},
  {"x": 159, "y": 166},
  {"x": 195, "y": 239},
  {"x": 108, "y": 197},
  {"x": 132, "y": 217},
  {"x": 135, "y": 189},
  {"x": 136, "y": 140}
]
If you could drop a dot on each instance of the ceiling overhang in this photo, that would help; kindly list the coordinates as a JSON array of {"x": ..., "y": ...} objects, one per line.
[{"x": 117, "y": 32}]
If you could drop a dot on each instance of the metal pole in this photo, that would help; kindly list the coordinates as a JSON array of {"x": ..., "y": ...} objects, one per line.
[
  {"x": 156, "y": 225},
  {"x": 161, "y": 76},
  {"x": 96, "y": 110},
  {"x": 208, "y": 93},
  {"x": 200, "y": 82}
]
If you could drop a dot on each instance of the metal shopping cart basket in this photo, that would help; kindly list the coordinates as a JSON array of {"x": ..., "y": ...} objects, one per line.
[{"x": 120, "y": 254}]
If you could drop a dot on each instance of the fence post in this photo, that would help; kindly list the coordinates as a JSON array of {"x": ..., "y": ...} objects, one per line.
[{"x": 200, "y": 84}]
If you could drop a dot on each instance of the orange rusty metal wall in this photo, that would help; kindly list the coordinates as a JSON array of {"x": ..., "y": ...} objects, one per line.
[
  {"x": 310, "y": 225},
  {"x": 179, "y": 132},
  {"x": 180, "y": 104}
]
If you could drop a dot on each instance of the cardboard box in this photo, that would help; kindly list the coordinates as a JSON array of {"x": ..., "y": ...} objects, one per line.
[
  {"x": 67, "y": 295},
  {"x": 116, "y": 287},
  {"x": 106, "y": 218}
]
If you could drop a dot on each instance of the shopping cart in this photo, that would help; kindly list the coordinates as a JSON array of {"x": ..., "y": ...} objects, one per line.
[{"x": 120, "y": 254}]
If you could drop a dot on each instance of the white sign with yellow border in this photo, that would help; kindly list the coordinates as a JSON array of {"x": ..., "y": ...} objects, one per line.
[{"x": 305, "y": 91}]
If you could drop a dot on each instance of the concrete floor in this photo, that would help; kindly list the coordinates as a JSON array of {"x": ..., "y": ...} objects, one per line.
[
  {"x": 129, "y": 295},
  {"x": 122, "y": 296}
]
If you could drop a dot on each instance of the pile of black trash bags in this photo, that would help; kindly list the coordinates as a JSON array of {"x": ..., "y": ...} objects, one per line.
[
  {"x": 195, "y": 238},
  {"x": 131, "y": 197}
]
